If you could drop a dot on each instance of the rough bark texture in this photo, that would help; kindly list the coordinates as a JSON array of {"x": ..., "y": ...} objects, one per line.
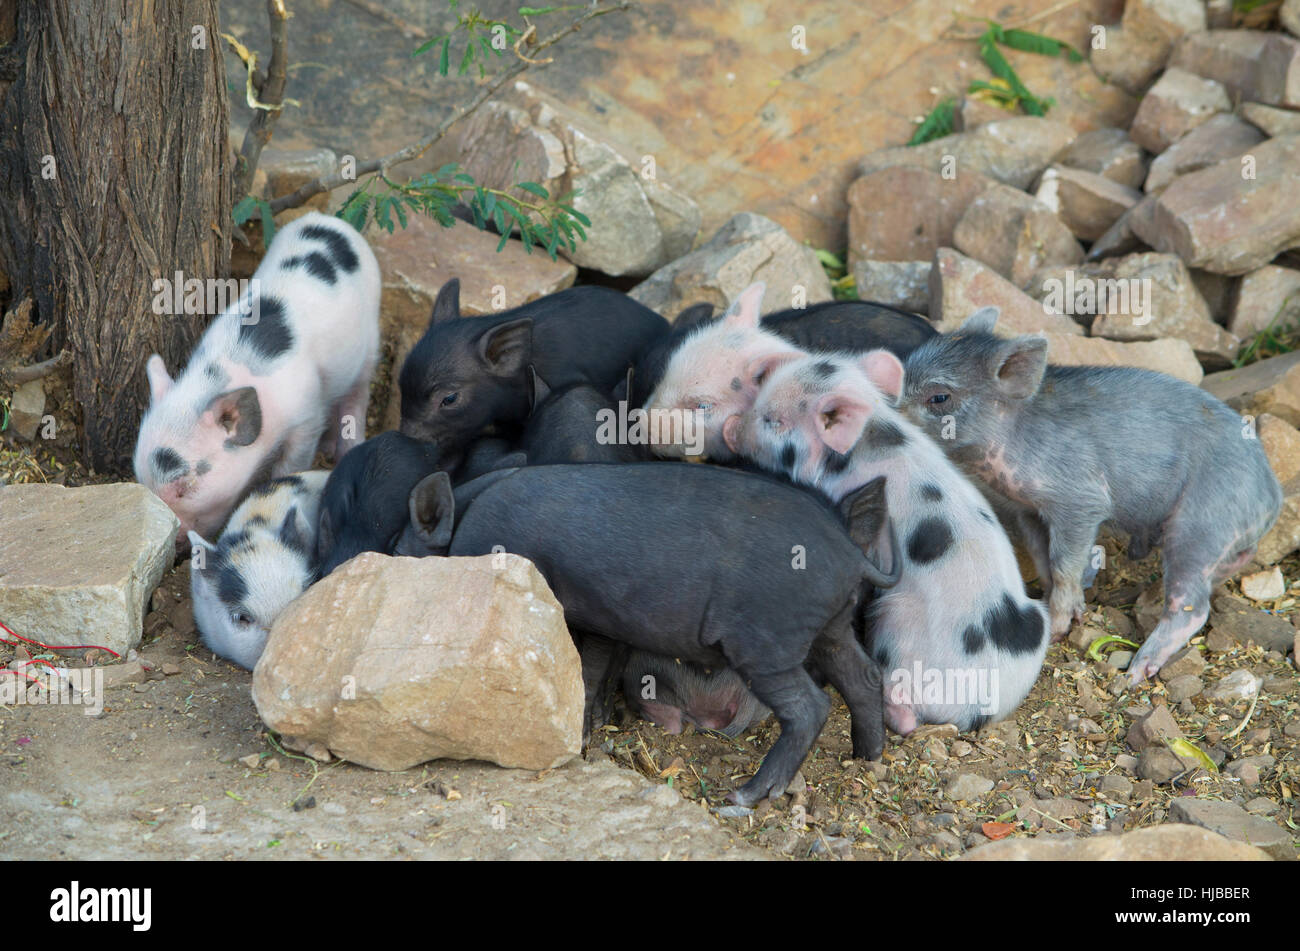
[{"x": 135, "y": 119}]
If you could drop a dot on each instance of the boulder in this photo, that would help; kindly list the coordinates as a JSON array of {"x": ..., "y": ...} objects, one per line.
[
  {"x": 1232, "y": 217},
  {"x": 389, "y": 662},
  {"x": 904, "y": 284},
  {"x": 1268, "y": 297},
  {"x": 1281, "y": 442},
  {"x": 959, "y": 286},
  {"x": 905, "y": 213},
  {"x": 1256, "y": 65},
  {"x": 77, "y": 566},
  {"x": 1174, "y": 357},
  {"x": 1108, "y": 152},
  {"x": 747, "y": 248},
  {"x": 1013, "y": 151},
  {"x": 1177, "y": 103},
  {"x": 27, "y": 408},
  {"x": 638, "y": 223},
  {"x": 1235, "y": 823},
  {"x": 1086, "y": 202},
  {"x": 1171, "y": 306},
  {"x": 1014, "y": 233},
  {"x": 1153, "y": 729},
  {"x": 1237, "y": 621},
  {"x": 1289, "y": 16},
  {"x": 1222, "y": 136},
  {"x": 1268, "y": 386},
  {"x": 284, "y": 171},
  {"x": 1270, "y": 119},
  {"x": 1120, "y": 237},
  {"x": 1154, "y": 844}
]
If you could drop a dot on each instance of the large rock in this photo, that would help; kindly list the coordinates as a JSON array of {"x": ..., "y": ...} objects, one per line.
[
  {"x": 1289, "y": 16},
  {"x": 77, "y": 566},
  {"x": 1269, "y": 386},
  {"x": 1014, "y": 233},
  {"x": 1222, "y": 136},
  {"x": 1130, "y": 59},
  {"x": 1284, "y": 537},
  {"x": 904, "y": 284},
  {"x": 904, "y": 213},
  {"x": 416, "y": 261},
  {"x": 1237, "y": 621},
  {"x": 1013, "y": 151},
  {"x": 389, "y": 662},
  {"x": 1174, "y": 106},
  {"x": 1173, "y": 307},
  {"x": 1270, "y": 119},
  {"x": 1267, "y": 297},
  {"x": 284, "y": 171},
  {"x": 27, "y": 408},
  {"x": 1233, "y": 822},
  {"x": 1108, "y": 152},
  {"x": 959, "y": 286},
  {"x": 637, "y": 222},
  {"x": 747, "y": 248},
  {"x": 1281, "y": 443},
  {"x": 1256, "y": 65},
  {"x": 1087, "y": 203},
  {"x": 1174, "y": 357},
  {"x": 1225, "y": 220},
  {"x": 1155, "y": 844}
]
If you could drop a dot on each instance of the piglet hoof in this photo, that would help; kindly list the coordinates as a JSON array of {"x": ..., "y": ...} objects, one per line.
[
  {"x": 1142, "y": 668},
  {"x": 753, "y": 793}
]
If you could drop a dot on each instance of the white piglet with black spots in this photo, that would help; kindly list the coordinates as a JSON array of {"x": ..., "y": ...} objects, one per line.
[
  {"x": 958, "y": 639},
  {"x": 280, "y": 373},
  {"x": 264, "y": 559}
]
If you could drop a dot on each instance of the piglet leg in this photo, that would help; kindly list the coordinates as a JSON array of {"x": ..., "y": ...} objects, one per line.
[
  {"x": 1071, "y": 534},
  {"x": 1033, "y": 535},
  {"x": 802, "y": 710},
  {"x": 1191, "y": 572},
  {"x": 843, "y": 662}
]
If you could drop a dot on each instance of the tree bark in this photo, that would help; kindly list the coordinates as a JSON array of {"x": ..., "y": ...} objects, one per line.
[{"x": 115, "y": 171}]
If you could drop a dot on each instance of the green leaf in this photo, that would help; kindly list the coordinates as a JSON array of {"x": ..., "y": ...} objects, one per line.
[
  {"x": 828, "y": 259},
  {"x": 244, "y": 209},
  {"x": 1186, "y": 748},
  {"x": 1002, "y": 69},
  {"x": 1094, "y": 649},
  {"x": 462, "y": 177},
  {"x": 581, "y": 218},
  {"x": 425, "y": 46},
  {"x": 536, "y": 11},
  {"x": 937, "y": 123},
  {"x": 467, "y": 59},
  {"x": 1037, "y": 43},
  {"x": 268, "y": 222},
  {"x": 505, "y": 236},
  {"x": 499, "y": 216},
  {"x": 443, "y": 63},
  {"x": 534, "y": 189}
]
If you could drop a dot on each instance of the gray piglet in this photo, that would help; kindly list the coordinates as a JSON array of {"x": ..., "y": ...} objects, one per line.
[{"x": 1069, "y": 449}]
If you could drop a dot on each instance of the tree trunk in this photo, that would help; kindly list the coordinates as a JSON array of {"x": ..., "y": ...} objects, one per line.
[{"x": 114, "y": 172}]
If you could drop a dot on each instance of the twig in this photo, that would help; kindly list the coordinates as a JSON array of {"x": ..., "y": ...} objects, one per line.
[
  {"x": 1013, "y": 25},
  {"x": 388, "y": 16},
  {"x": 415, "y": 150},
  {"x": 38, "y": 370},
  {"x": 1249, "y": 713},
  {"x": 270, "y": 94}
]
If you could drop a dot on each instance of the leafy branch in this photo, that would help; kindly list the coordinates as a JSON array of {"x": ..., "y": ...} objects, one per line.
[{"x": 548, "y": 223}]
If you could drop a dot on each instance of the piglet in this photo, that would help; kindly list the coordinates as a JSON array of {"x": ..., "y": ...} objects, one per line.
[
  {"x": 1069, "y": 449},
  {"x": 712, "y": 368},
  {"x": 717, "y": 567},
  {"x": 285, "y": 370},
  {"x": 573, "y": 424},
  {"x": 672, "y": 693},
  {"x": 468, "y": 373},
  {"x": 263, "y": 560},
  {"x": 958, "y": 638}
]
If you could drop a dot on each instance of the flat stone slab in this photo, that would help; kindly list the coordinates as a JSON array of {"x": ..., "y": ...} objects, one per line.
[{"x": 77, "y": 566}]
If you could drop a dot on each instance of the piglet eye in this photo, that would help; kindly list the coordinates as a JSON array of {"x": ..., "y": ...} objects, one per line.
[
  {"x": 703, "y": 407},
  {"x": 938, "y": 398},
  {"x": 449, "y": 399},
  {"x": 241, "y": 618}
]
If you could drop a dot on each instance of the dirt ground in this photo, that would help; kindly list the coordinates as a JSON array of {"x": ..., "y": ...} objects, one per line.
[{"x": 178, "y": 765}]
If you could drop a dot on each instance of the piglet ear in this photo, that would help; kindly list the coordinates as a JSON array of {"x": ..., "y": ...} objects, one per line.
[
  {"x": 840, "y": 420},
  {"x": 982, "y": 321},
  {"x": 759, "y": 369},
  {"x": 291, "y": 535},
  {"x": 885, "y": 370},
  {"x": 1019, "y": 365},
  {"x": 507, "y": 348},
  {"x": 159, "y": 380},
  {"x": 693, "y": 316},
  {"x": 744, "y": 310},
  {"x": 537, "y": 390},
  {"x": 447, "y": 305},
  {"x": 239, "y": 413},
  {"x": 433, "y": 511}
]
